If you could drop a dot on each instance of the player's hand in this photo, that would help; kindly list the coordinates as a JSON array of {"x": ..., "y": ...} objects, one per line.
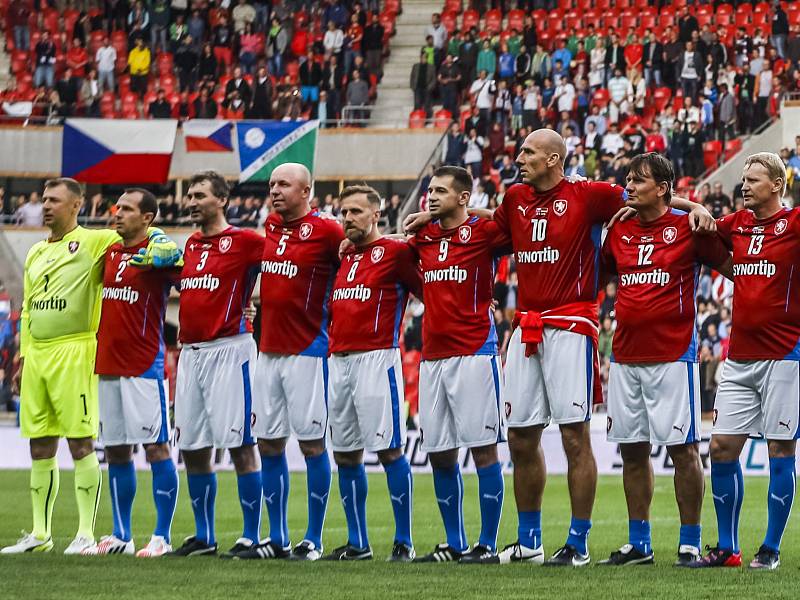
[
  {"x": 623, "y": 214},
  {"x": 416, "y": 221},
  {"x": 161, "y": 253},
  {"x": 702, "y": 221},
  {"x": 16, "y": 380},
  {"x": 250, "y": 312},
  {"x": 344, "y": 247}
]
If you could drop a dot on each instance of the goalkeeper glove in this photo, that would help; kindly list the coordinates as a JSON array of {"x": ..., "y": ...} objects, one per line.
[{"x": 161, "y": 252}]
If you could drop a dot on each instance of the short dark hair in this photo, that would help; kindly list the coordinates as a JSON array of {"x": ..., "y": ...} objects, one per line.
[
  {"x": 219, "y": 187},
  {"x": 72, "y": 186},
  {"x": 148, "y": 202},
  {"x": 462, "y": 181},
  {"x": 655, "y": 166},
  {"x": 372, "y": 195}
]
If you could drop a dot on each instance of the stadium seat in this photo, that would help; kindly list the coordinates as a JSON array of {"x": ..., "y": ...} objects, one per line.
[
  {"x": 732, "y": 147},
  {"x": 629, "y": 20},
  {"x": 450, "y": 21},
  {"x": 300, "y": 19},
  {"x": 392, "y": 6},
  {"x": 442, "y": 119},
  {"x": 96, "y": 40},
  {"x": 50, "y": 20},
  {"x": 453, "y": 6},
  {"x": 661, "y": 98},
  {"x": 494, "y": 21},
  {"x": 293, "y": 71},
  {"x": 600, "y": 98},
  {"x": 416, "y": 120},
  {"x": 24, "y": 83},
  {"x": 516, "y": 20},
  {"x": 164, "y": 63},
  {"x": 19, "y": 62},
  {"x": 167, "y": 83},
  {"x": 712, "y": 153},
  {"x": 469, "y": 19},
  {"x": 573, "y": 20}
]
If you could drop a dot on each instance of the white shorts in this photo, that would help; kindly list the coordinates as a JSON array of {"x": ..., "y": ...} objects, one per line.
[
  {"x": 293, "y": 397},
  {"x": 657, "y": 403},
  {"x": 459, "y": 403},
  {"x": 133, "y": 410},
  {"x": 213, "y": 395},
  {"x": 556, "y": 384},
  {"x": 366, "y": 397},
  {"x": 759, "y": 398}
]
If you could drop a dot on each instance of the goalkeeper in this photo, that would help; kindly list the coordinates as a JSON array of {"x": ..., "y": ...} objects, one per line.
[{"x": 60, "y": 314}]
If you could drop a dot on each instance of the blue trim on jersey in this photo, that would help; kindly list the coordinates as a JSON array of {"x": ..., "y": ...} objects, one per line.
[
  {"x": 597, "y": 238},
  {"x": 472, "y": 220},
  {"x": 794, "y": 355},
  {"x": 675, "y": 211},
  {"x": 692, "y": 426},
  {"x": 490, "y": 345},
  {"x": 690, "y": 355},
  {"x": 325, "y": 396},
  {"x": 250, "y": 283},
  {"x": 396, "y": 441},
  {"x": 402, "y": 299},
  {"x": 163, "y": 433},
  {"x": 589, "y": 377},
  {"x": 247, "y": 437},
  {"x": 156, "y": 369},
  {"x": 496, "y": 378},
  {"x": 319, "y": 347}
]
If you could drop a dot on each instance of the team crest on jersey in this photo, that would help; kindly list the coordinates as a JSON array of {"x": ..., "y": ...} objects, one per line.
[
  {"x": 305, "y": 231},
  {"x": 780, "y": 226},
  {"x": 560, "y": 207},
  {"x": 73, "y": 246},
  {"x": 464, "y": 233},
  {"x": 670, "y": 234},
  {"x": 225, "y": 244},
  {"x": 377, "y": 254}
]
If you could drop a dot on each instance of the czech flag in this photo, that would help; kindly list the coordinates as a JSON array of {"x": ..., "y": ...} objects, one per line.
[
  {"x": 207, "y": 135},
  {"x": 120, "y": 152}
]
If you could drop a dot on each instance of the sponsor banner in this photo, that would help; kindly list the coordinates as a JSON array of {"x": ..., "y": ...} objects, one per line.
[{"x": 754, "y": 457}]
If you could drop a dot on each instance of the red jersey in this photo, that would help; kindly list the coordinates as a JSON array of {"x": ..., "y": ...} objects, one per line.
[
  {"x": 369, "y": 296},
  {"x": 217, "y": 280},
  {"x": 299, "y": 263},
  {"x": 658, "y": 265},
  {"x": 457, "y": 280},
  {"x": 556, "y": 240},
  {"x": 766, "y": 299},
  {"x": 130, "y": 338}
]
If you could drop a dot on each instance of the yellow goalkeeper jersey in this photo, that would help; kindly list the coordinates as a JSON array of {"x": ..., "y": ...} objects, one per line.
[{"x": 63, "y": 286}]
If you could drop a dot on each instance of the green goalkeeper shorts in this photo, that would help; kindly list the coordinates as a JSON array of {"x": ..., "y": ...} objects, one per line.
[{"x": 59, "y": 389}]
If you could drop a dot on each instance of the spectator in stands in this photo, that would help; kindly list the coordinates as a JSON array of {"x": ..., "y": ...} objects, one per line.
[
  {"x": 178, "y": 30},
  {"x": 333, "y": 40},
  {"x": 655, "y": 141},
  {"x": 508, "y": 171},
  {"x": 197, "y": 27},
  {"x": 439, "y": 34},
  {"x": 612, "y": 140},
  {"x": 222, "y": 39},
  {"x": 614, "y": 58},
  {"x": 501, "y": 113},
  {"x": 483, "y": 91},
  {"x": 139, "y": 67},
  {"x": 357, "y": 94},
  {"x": 506, "y": 67},
  {"x": 392, "y": 212},
  {"x": 233, "y": 106},
  {"x": 68, "y": 88},
  {"x": 277, "y": 41},
  {"x": 793, "y": 46},
  {"x": 243, "y": 14},
  {"x": 17, "y": 22},
  {"x": 139, "y": 19},
  {"x": 780, "y": 28},
  {"x": 762, "y": 93},
  {"x": 530, "y": 106},
  {"x": 653, "y": 57},
  {"x": 372, "y": 45},
  {"x": 473, "y": 152},
  {"x": 261, "y": 104},
  {"x": 687, "y": 24},
  {"x": 449, "y": 79},
  {"x": 726, "y": 114},
  {"x": 691, "y": 68},
  {"x": 487, "y": 59},
  {"x": 335, "y": 13},
  {"x": 159, "y": 26},
  {"x": 423, "y": 81},
  {"x": 719, "y": 202},
  {"x": 618, "y": 88},
  {"x": 352, "y": 43},
  {"x": 237, "y": 83},
  {"x": 205, "y": 107},
  {"x": 160, "y": 108},
  {"x": 186, "y": 60},
  {"x": 333, "y": 83},
  {"x": 168, "y": 210},
  {"x": 249, "y": 47},
  {"x": 90, "y": 94},
  {"x": 454, "y": 146},
  {"x": 45, "y": 61},
  {"x": 310, "y": 78},
  {"x": 106, "y": 60},
  {"x": 207, "y": 70},
  {"x": 30, "y": 213},
  {"x": 692, "y": 145},
  {"x": 77, "y": 58}
]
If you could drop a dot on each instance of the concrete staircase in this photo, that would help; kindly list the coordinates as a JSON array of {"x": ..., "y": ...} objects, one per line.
[{"x": 395, "y": 99}]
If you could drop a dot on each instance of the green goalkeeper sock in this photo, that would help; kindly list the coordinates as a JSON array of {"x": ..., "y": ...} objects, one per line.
[
  {"x": 44, "y": 489},
  {"x": 88, "y": 479}
]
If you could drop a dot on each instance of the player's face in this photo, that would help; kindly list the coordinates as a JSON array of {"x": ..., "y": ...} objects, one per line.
[
  {"x": 204, "y": 206},
  {"x": 757, "y": 187},
  {"x": 129, "y": 220},
  {"x": 360, "y": 217},
  {"x": 288, "y": 193},
  {"x": 643, "y": 191},
  {"x": 443, "y": 198},
  {"x": 534, "y": 161},
  {"x": 59, "y": 206}
]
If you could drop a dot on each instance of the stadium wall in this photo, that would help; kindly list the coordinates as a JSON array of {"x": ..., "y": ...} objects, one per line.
[{"x": 342, "y": 154}]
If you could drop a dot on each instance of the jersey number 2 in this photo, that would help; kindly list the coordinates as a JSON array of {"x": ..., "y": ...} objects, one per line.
[{"x": 121, "y": 269}]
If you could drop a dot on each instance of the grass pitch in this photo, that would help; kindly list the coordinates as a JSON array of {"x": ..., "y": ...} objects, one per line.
[{"x": 53, "y": 575}]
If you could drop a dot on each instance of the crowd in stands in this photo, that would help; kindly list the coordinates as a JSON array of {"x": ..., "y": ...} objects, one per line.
[
  {"x": 237, "y": 59},
  {"x": 9, "y": 346}
]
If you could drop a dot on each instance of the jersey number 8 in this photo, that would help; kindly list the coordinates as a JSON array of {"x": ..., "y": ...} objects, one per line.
[{"x": 352, "y": 273}]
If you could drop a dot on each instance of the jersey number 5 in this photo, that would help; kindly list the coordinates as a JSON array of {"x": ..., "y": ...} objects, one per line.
[{"x": 282, "y": 244}]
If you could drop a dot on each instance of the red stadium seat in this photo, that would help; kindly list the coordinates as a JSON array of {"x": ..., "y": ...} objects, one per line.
[
  {"x": 293, "y": 71},
  {"x": 516, "y": 20},
  {"x": 685, "y": 183},
  {"x": 712, "y": 152},
  {"x": 167, "y": 83},
  {"x": 574, "y": 20},
  {"x": 761, "y": 7},
  {"x": 95, "y": 41},
  {"x": 600, "y": 98},
  {"x": 392, "y": 6},
  {"x": 454, "y": 6},
  {"x": 164, "y": 63},
  {"x": 494, "y": 20},
  {"x": 19, "y": 61},
  {"x": 648, "y": 21},
  {"x": 50, "y": 21},
  {"x": 386, "y": 20},
  {"x": 469, "y": 19},
  {"x": 629, "y": 20},
  {"x": 732, "y": 147},
  {"x": 416, "y": 120},
  {"x": 603, "y": 5},
  {"x": 704, "y": 18},
  {"x": 300, "y": 19},
  {"x": 661, "y": 98},
  {"x": 442, "y": 119},
  {"x": 450, "y": 21},
  {"x": 24, "y": 83},
  {"x": 741, "y": 19}
]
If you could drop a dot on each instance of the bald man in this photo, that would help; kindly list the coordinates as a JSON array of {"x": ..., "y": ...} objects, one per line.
[
  {"x": 552, "y": 368},
  {"x": 299, "y": 263}
]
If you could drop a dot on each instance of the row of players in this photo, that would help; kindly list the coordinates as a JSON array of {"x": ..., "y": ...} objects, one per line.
[{"x": 311, "y": 374}]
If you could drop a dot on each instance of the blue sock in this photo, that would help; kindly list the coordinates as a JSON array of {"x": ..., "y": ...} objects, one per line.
[
  {"x": 203, "y": 494},
  {"x": 727, "y": 488},
  {"x": 579, "y": 534},
  {"x": 490, "y": 490},
  {"x": 449, "y": 488},
  {"x": 401, "y": 490},
  {"x": 275, "y": 483},
  {"x": 639, "y": 535},
  {"x": 779, "y": 501},
  {"x": 690, "y": 536},
  {"x": 318, "y": 474},
  {"x": 122, "y": 482},
  {"x": 249, "y": 486},
  {"x": 353, "y": 490},
  {"x": 529, "y": 528},
  {"x": 165, "y": 495}
]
